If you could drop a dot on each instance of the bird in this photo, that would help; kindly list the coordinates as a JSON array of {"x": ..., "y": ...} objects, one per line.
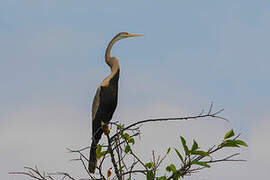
[{"x": 105, "y": 99}]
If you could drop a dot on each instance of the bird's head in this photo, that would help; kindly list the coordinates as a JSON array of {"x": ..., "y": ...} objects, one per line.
[
  {"x": 124, "y": 35},
  {"x": 119, "y": 36}
]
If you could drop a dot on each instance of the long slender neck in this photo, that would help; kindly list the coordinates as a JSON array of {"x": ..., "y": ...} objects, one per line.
[
  {"x": 111, "y": 61},
  {"x": 108, "y": 50}
]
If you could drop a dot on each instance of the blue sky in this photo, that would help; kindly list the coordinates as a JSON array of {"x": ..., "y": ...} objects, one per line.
[{"x": 193, "y": 53}]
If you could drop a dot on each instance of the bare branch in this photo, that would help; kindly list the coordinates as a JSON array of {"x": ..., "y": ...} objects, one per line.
[
  {"x": 228, "y": 158},
  {"x": 36, "y": 174},
  {"x": 135, "y": 171},
  {"x": 209, "y": 114},
  {"x": 116, "y": 170}
]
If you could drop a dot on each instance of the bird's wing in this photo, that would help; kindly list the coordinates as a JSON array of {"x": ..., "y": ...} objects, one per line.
[{"x": 96, "y": 103}]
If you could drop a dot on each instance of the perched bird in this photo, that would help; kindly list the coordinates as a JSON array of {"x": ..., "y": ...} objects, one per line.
[{"x": 105, "y": 100}]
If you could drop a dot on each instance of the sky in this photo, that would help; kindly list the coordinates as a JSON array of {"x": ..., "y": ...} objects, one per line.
[{"x": 192, "y": 53}]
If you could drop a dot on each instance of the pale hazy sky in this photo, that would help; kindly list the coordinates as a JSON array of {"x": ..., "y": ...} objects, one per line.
[{"x": 193, "y": 53}]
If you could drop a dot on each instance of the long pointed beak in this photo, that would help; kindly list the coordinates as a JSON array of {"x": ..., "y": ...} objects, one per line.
[{"x": 134, "y": 35}]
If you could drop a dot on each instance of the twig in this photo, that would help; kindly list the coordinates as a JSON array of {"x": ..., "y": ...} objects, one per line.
[
  {"x": 35, "y": 174},
  {"x": 136, "y": 171},
  {"x": 116, "y": 170},
  {"x": 136, "y": 157},
  {"x": 64, "y": 174},
  {"x": 228, "y": 158}
]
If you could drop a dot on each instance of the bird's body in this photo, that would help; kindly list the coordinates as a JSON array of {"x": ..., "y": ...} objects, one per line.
[{"x": 105, "y": 100}]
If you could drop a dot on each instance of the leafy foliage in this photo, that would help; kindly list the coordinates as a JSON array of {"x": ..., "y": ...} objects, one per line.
[
  {"x": 195, "y": 156},
  {"x": 125, "y": 162}
]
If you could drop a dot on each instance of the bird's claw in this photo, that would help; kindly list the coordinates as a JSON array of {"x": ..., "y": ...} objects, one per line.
[{"x": 105, "y": 128}]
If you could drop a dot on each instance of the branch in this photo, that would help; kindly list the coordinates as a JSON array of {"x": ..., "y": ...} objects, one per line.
[
  {"x": 136, "y": 157},
  {"x": 201, "y": 115},
  {"x": 228, "y": 158},
  {"x": 36, "y": 174},
  {"x": 136, "y": 171},
  {"x": 64, "y": 174},
  {"x": 81, "y": 159},
  {"x": 116, "y": 170}
]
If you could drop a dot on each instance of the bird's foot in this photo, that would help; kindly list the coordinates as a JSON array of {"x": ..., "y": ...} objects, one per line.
[{"x": 105, "y": 128}]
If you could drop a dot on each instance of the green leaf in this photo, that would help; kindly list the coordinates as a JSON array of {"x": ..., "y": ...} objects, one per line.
[
  {"x": 168, "y": 151},
  {"x": 162, "y": 178},
  {"x": 201, "y": 153},
  {"x": 240, "y": 142},
  {"x": 104, "y": 153},
  {"x": 100, "y": 154},
  {"x": 132, "y": 141},
  {"x": 233, "y": 143},
  {"x": 176, "y": 176},
  {"x": 119, "y": 126},
  {"x": 194, "y": 146},
  {"x": 120, "y": 169},
  {"x": 125, "y": 136},
  {"x": 184, "y": 145},
  {"x": 98, "y": 151},
  {"x": 229, "y": 143},
  {"x": 229, "y": 134},
  {"x": 171, "y": 168},
  {"x": 201, "y": 164},
  {"x": 127, "y": 149},
  {"x": 149, "y": 165},
  {"x": 179, "y": 155},
  {"x": 150, "y": 175},
  {"x": 99, "y": 147}
]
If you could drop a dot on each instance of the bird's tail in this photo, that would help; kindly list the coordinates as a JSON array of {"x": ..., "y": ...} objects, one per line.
[{"x": 93, "y": 157}]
